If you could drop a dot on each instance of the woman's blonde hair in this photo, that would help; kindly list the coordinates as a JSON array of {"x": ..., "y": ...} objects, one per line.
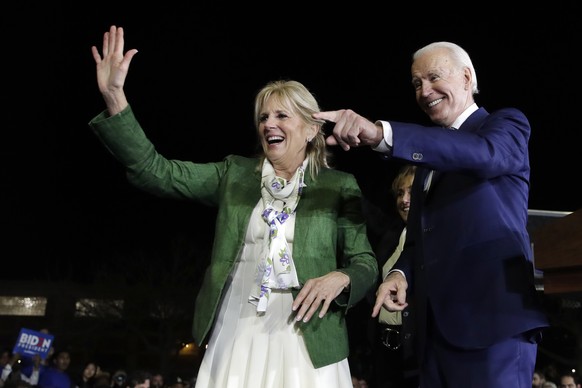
[
  {"x": 297, "y": 98},
  {"x": 404, "y": 172}
]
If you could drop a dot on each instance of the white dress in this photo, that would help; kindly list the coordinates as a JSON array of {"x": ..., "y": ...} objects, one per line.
[{"x": 247, "y": 350}]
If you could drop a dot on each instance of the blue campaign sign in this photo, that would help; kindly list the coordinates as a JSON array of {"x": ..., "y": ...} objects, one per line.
[{"x": 30, "y": 343}]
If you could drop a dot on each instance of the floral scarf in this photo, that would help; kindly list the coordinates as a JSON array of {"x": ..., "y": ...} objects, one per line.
[{"x": 276, "y": 269}]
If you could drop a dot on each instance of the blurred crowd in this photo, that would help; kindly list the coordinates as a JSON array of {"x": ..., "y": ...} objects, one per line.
[{"x": 54, "y": 372}]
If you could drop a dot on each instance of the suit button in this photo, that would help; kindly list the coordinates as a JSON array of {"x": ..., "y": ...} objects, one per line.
[
  {"x": 427, "y": 230},
  {"x": 404, "y": 314}
]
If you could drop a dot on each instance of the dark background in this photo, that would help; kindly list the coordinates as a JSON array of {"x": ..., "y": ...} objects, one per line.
[{"x": 65, "y": 201}]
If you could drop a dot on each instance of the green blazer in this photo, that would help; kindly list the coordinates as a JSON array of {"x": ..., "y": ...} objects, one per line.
[{"x": 330, "y": 230}]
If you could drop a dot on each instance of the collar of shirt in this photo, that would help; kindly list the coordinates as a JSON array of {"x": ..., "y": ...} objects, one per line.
[{"x": 463, "y": 116}]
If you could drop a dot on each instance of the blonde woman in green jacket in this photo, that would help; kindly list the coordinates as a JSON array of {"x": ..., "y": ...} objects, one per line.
[{"x": 290, "y": 255}]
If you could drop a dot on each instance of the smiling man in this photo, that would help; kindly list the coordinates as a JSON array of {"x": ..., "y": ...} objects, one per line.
[{"x": 467, "y": 254}]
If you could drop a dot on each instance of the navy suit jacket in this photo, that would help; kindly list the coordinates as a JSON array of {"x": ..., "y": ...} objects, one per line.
[{"x": 468, "y": 255}]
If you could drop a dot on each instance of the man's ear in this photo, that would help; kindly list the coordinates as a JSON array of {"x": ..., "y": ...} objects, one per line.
[{"x": 468, "y": 78}]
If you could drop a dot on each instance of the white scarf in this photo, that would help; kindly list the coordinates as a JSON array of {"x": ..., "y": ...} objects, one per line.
[{"x": 276, "y": 269}]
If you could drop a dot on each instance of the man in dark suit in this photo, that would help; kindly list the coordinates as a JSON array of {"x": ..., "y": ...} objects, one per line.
[{"x": 467, "y": 260}]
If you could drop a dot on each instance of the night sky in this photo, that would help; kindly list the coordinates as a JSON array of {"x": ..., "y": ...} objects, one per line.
[{"x": 65, "y": 201}]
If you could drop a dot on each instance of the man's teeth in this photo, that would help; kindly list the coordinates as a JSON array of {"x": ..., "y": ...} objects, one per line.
[{"x": 431, "y": 104}]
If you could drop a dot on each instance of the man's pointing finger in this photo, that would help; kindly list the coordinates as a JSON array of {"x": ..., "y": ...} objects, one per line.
[{"x": 331, "y": 115}]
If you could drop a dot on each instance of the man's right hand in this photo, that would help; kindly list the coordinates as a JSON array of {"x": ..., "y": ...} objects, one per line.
[{"x": 351, "y": 129}]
